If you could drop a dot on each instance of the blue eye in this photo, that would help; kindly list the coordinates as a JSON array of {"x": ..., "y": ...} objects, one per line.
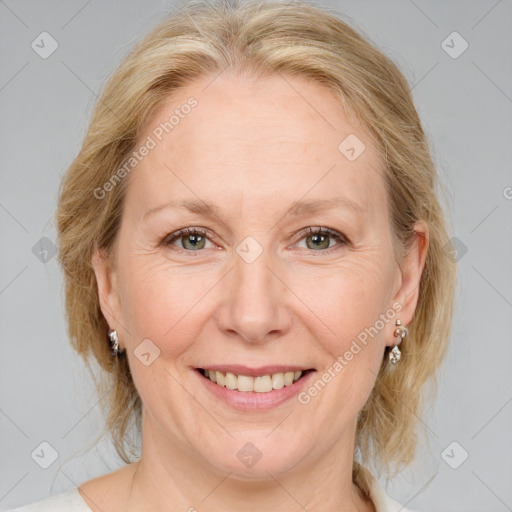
[
  {"x": 320, "y": 238},
  {"x": 195, "y": 239}
]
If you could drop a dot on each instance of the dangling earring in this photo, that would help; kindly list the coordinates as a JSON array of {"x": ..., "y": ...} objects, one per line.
[
  {"x": 400, "y": 332},
  {"x": 114, "y": 342}
]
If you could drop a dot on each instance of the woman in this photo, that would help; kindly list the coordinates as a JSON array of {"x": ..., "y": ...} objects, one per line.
[{"x": 253, "y": 252}]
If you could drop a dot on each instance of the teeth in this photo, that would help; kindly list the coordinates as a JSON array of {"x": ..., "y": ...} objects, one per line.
[
  {"x": 231, "y": 380},
  {"x": 245, "y": 383},
  {"x": 220, "y": 378},
  {"x": 278, "y": 380}
]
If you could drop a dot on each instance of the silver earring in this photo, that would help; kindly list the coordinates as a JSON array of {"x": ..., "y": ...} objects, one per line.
[
  {"x": 400, "y": 332},
  {"x": 114, "y": 342}
]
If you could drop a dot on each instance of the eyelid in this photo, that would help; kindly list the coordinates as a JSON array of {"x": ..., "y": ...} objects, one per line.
[
  {"x": 176, "y": 235},
  {"x": 315, "y": 230},
  {"x": 311, "y": 230}
]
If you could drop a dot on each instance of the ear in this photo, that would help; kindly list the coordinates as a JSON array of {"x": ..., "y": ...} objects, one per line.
[
  {"x": 410, "y": 275},
  {"x": 108, "y": 293}
]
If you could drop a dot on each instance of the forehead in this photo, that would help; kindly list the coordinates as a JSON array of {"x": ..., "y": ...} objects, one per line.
[{"x": 254, "y": 144}]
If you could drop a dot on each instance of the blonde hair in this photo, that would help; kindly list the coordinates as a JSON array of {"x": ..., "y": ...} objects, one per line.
[{"x": 302, "y": 40}]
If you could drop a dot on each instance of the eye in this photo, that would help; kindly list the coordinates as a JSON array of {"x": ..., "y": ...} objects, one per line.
[
  {"x": 317, "y": 239},
  {"x": 320, "y": 238},
  {"x": 192, "y": 239}
]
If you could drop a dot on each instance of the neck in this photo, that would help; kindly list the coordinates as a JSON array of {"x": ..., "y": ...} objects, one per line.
[{"x": 175, "y": 477}]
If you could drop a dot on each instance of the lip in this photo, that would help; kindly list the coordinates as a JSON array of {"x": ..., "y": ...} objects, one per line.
[{"x": 252, "y": 400}]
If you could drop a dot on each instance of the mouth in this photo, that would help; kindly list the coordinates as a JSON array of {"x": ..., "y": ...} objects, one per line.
[{"x": 264, "y": 383}]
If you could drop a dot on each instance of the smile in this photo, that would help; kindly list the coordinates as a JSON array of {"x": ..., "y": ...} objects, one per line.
[{"x": 246, "y": 383}]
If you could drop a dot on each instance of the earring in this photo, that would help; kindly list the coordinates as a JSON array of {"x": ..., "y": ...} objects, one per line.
[
  {"x": 400, "y": 332},
  {"x": 114, "y": 342}
]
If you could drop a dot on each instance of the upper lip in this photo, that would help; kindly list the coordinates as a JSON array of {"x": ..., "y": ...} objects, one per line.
[{"x": 240, "y": 369}]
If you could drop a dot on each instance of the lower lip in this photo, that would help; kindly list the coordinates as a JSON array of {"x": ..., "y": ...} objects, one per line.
[{"x": 252, "y": 400}]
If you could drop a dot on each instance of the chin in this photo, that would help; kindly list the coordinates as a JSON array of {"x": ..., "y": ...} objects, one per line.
[{"x": 258, "y": 460}]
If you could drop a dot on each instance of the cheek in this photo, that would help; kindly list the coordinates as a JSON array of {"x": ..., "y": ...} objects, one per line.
[
  {"x": 355, "y": 306},
  {"x": 348, "y": 298},
  {"x": 354, "y": 316},
  {"x": 158, "y": 301},
  {"x": 159, "y": 309}
]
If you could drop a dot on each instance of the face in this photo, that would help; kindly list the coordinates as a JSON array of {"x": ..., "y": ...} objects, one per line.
[{"x": 253, "y": 282}]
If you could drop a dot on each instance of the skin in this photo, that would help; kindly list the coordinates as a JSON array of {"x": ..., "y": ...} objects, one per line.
[{"x": 254, "y": 148}]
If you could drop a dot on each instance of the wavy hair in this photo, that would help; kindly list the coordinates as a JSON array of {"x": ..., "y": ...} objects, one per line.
[{"x": 296, "y": 39}]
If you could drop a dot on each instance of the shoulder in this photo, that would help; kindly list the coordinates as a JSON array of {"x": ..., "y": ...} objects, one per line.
[
  {"x": 382, "y": 501},
  {"x": 68, "y": 501},
  {"x": 109, "y": 491},
  {"x": 101, "y": 493}
]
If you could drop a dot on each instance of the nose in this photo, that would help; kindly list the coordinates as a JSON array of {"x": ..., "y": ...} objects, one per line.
[{"x": 255, "y": 307}]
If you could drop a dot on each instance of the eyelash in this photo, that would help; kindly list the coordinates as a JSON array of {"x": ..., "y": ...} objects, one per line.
[{"x": 339, "y": 237}]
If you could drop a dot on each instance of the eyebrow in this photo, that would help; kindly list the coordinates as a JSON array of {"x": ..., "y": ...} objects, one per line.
[
  {"x": 318, "y": 205},
  {"x": 199, "y": 207},
  {"x": 209, "y": 209}
]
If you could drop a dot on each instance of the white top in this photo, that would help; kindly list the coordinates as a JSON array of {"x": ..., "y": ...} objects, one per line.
[{"x": 72, "y": 501}]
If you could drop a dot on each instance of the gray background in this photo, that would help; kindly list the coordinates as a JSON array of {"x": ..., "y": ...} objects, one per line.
[{"x": 465, "y": 104}]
